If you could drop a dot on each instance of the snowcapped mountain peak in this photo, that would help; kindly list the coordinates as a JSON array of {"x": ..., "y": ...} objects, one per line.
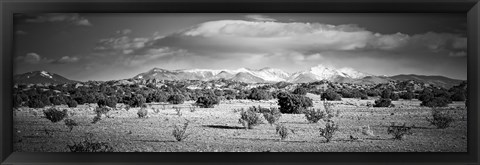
[
  {"x": 45, "y": 74},
  {"x": 266, "y": 74}
]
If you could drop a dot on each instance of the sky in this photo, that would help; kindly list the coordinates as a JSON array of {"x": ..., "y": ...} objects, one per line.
[{"x": 104, "y": 46}]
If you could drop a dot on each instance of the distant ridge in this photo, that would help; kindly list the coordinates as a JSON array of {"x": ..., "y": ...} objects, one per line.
[{"x": 40, "y": 77}]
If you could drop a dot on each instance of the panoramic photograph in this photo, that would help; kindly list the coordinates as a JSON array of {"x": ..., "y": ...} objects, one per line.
[{"x": 240, "y": 82}]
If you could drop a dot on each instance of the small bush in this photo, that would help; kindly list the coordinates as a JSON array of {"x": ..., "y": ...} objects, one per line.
[
  {"x": 55, "y": 115},
  {"x": 180, "y": 132},
  {"x": 96, "y": 118},
  {"x": 258, "y": 109},
  {"x": 272, "y": 116},
  {"x": 178, "y": 110},
  {"x": 176, "y": 99},
  {"x": 88, "y": 146},
  {"x": 207, "y": 101},
  {"x": 383, "y": 103},
  {"x": 142, "y": 112},
  {"x": 329, "y": 130},
  {"x": 70, "y": 123},
  {"x": 258, "y": 94},
  {"x": 331, "y": 95},
  {"x": 329, "y": 111},
  {"x": 407, "y": 95},
  {"x": 399, "y": 131},
  {"x": 72, "y": 103},
  {"x": 249, "y": 119},
  {"x": 282, "y": 131},
  {"x": 313, "y": 116},
  {"x": 439, "y": 119},
  {"x": 101, "y": 111}
]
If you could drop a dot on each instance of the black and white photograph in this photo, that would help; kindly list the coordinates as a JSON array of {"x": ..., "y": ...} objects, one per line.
[{"x": 240, "y": 82}]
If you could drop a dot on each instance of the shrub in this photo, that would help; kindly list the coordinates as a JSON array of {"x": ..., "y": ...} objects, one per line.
[
  {"x": 386, "y": 94},
  {"x": 88, "y": 146},
  {"x": 291, "y": 103},
  {"x": 313, "y": 116},
  {"x": 137, "y": 101},
  {"x": 57, "y": 100},
  {"x": 282, "y": 131},
  {"x": 399, "y": 131},
  {"x": 329, "y": 130},
  {"x": 300, "y": 91},
  {"x": 143, "y": 111},
  {"x": 439, "y": 119},
  {"x": 407, "y": 95},
  {"x": 70, "y": 123},
  {"x": 394, "y": 96},
  {"x": 35, "y": 103},
  {"x": 435, "y": 102},
  {"x": 383, "y": 103},
  {"x": 272, "y": 116},
  {"x": 55, "y": 115},
  {"x": 180, "y": 132},
  {"x": 258, "y": 94},
  {"x": 258, "y": 109},
  {"x": 72, "y": 103},
  {"x": 329, "y": 112},
  {"x": 175, "y": 99},
  {"x": 207, "y": 101},
  {"x": 178, "y": 110},
  {"x": 101, "y": 111},
  {"x": 331, "y": 95},
  {"x": 249, "y": 119}
]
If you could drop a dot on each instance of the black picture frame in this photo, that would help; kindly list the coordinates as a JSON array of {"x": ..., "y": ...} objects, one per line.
[{"x": 471, "y": 9}]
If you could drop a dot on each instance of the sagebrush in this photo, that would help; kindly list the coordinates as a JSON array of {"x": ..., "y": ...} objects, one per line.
[
  {"x": 179, "y": 132},
  {"x": 440, "y": 119},
  {"x": 249, "y": 119}
]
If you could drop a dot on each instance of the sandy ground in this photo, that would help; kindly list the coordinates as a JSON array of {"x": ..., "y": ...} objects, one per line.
[{"x": 217, "y": 129}]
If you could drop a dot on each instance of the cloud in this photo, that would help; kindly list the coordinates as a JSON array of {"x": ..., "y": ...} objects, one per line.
[
  {"x": 122, "y": 43},
  {"x": 73, "y": 18},
  {"x": 33, "y": 58},
  {"x": 258, "y": 17},
  {"x": 67, "y": 59},
  {"x": 299, "y": 43}
]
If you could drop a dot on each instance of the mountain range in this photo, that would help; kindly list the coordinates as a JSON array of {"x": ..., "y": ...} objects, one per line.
[
  {"x": 43, "y": 77},
  {"x": 264, "y": 75}
]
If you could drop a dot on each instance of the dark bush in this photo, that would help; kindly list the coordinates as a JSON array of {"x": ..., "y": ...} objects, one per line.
[
  {"x": 386, "y": 94},
  {"x": 72, "y": 103},
  {"x": 207, "y": 101},
  {"x": 300, "y": 91},
  {"x": 407, "y": 95},
  {"x": 331, "y": 95},
  {"x": 435, "y": 102},
  {"x": 292, "y": 103},
  {"x": 175, "y": 99},
  {"x": 57, "y": 100},
  {"x": 55, "y": 115},
  {"x": 383, "y": 103},
  {"x": 89, "y": 146},
  {"x": 35, "y": 102},
  {"x": 136, "y": 101},
  {"x": 258, "y": 94},
  {"x": 394, "y": 96}
]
